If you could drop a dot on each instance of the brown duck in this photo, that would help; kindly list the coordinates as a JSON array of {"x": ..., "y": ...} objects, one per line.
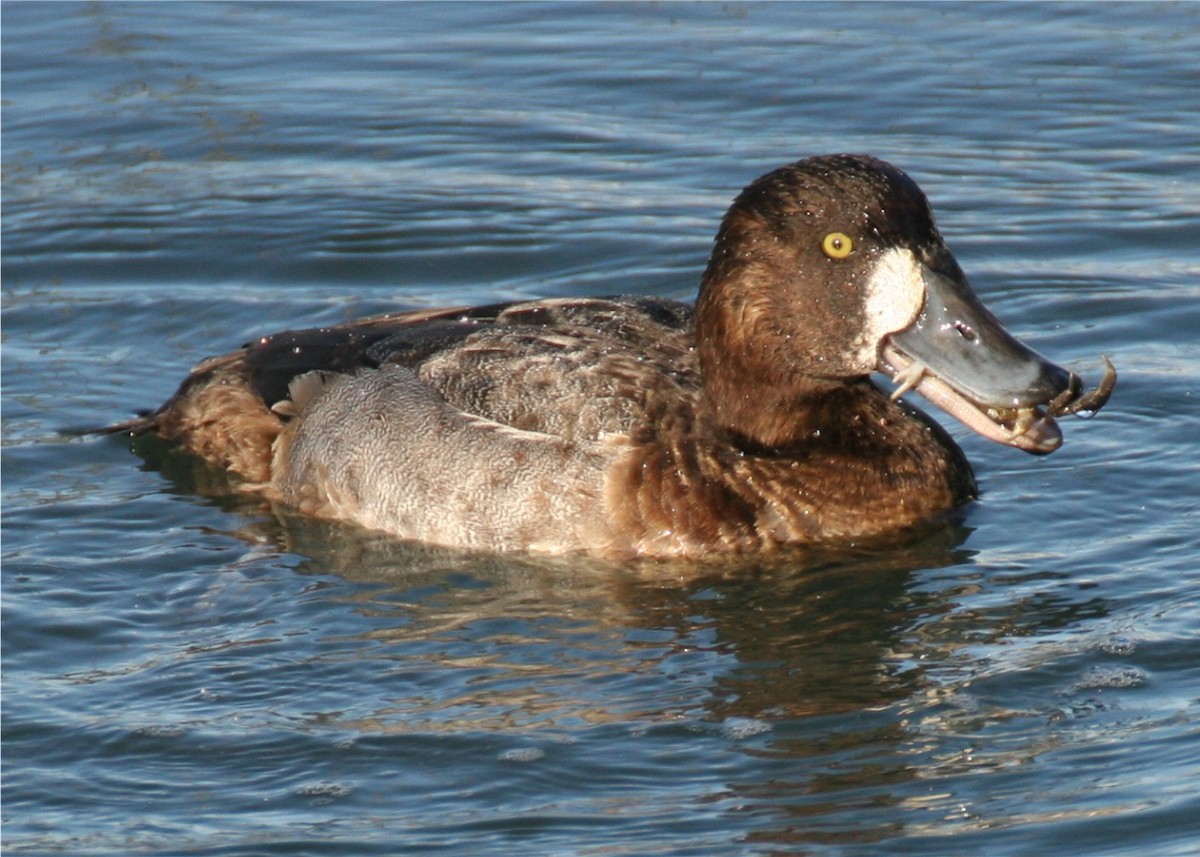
[{"x": 641, "y": 426}]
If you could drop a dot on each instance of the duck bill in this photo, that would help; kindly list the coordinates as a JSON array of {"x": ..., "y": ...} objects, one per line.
[{"x": 959, "y": 357}]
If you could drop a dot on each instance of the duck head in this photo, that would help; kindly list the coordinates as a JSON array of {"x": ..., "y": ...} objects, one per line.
[{"x": 831, "y": 268}]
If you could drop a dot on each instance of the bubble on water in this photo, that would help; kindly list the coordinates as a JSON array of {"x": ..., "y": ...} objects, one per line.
[
  {"x": 1102, "y": 678},
  {"x": 1118, "y": 645},
  {"x": 740, "y": 728},
  {"x": 171, "y": 730},
  {"x": 522, "y": 754},
  {"x": 324, "y": 793}
]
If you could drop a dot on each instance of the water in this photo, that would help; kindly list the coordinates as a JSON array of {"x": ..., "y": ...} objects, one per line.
[{"x": 187, "y": 674}]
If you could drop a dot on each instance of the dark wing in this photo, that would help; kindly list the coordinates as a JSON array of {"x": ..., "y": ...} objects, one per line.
[
  {"x": 573, "y": 367},
  {"x": 577, "y": 369}
]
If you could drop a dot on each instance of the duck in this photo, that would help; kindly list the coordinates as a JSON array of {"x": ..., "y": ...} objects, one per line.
[{"x": 637, "y": 426}]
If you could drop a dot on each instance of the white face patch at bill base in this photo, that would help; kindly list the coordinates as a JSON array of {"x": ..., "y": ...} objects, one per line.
[{"x": 894, "y": 296}]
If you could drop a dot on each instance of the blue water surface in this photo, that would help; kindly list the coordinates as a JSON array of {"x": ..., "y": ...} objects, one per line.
[{"x": 185, "y": 672}]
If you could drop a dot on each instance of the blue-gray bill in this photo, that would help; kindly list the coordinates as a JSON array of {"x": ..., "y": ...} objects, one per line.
[{"x": 958, "y": 356}]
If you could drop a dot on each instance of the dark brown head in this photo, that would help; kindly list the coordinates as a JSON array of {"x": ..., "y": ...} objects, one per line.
[{"x": 831, "y": 268}]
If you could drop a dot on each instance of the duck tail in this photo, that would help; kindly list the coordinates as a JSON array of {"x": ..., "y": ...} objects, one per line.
[{"x": 144, "y": 422}]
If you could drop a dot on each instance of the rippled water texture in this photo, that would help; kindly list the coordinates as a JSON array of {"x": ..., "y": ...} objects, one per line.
[{"x": 187, "y": 674}]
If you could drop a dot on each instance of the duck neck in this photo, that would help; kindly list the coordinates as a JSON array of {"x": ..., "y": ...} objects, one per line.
[
  {"x": 767, "y": 413},
  {"x": 753, "y": 387}
]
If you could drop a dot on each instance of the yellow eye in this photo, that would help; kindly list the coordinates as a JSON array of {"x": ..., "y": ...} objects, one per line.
[{"x": 837, "y": 245}]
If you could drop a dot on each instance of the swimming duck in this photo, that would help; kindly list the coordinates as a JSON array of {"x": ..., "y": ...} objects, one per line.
[{"x": 640, "y": 426}]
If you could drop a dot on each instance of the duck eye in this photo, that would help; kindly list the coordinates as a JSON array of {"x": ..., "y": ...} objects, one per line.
[{"x": 837, "y": 245}]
